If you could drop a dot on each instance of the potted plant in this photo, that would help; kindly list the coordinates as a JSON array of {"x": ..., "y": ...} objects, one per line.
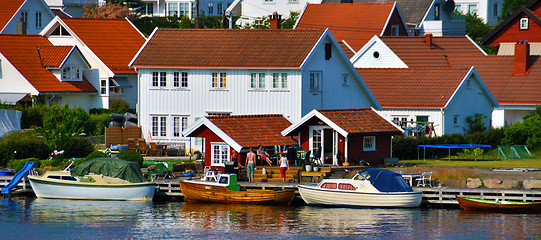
[{"x": 309, "y": 165}]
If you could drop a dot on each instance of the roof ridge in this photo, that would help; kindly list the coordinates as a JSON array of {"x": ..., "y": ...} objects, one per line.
[
  {"x": 245, "y": 116},
  {"x": 81, "y": 18},
  {"x": 247, "y": 30}
]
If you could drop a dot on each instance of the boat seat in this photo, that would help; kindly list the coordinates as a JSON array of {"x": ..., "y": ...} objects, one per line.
[{"x": 424, "y": 180}]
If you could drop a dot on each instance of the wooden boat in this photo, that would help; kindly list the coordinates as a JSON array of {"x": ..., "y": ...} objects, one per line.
[
  {"x": 475, "y": 204},
  {"x": 97, "y": 179},
  {"x": 371, "y": 187},
  {"x": 227, "y": 190}
]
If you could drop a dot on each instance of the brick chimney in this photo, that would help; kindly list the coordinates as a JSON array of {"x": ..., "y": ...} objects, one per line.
[
  {"x": 275, "y": 21},
  {"x": 522, "y": 57},
  {"x": 428, "y": 39},
  {"x": 21, "y": 25}
]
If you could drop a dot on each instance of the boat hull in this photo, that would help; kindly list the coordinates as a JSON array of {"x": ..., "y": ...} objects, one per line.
[
  {"x": 313, "y": 195},
  {"x": 46, "y": 188},
  {"x": 197, "y": 191},
  {"x": 473, "y": 204}
]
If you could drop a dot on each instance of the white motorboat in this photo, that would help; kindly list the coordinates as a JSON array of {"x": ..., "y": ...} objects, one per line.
[
  {"x": 97, "y": 179},
  {"x": 370, "y": 187}
]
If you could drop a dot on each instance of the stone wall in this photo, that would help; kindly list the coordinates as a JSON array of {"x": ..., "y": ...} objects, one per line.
[{"x": 503, "y": 184}]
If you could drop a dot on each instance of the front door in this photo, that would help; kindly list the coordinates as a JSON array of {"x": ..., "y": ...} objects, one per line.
[{"x": 324, "y": 138}]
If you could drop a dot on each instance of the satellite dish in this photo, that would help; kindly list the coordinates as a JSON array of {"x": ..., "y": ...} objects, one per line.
[{"x": 449, "y": 6}]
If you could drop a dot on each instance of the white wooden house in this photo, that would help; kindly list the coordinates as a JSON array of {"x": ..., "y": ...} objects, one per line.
[
  {"x": 35, "y": 71},
  {"x": 108, "y": 45},
  {"x": 188, "y": 74},
  {"x": 24, "y": 16},
  {"x": 249, "y": 11}
]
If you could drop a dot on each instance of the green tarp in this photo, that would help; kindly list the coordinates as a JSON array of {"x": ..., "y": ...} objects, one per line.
[{"x": 110, "y": 167}]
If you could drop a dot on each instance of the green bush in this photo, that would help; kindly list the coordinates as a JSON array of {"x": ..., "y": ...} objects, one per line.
[
  {"x": 132, "y": 156},
  {"x": 118, "y": 105},
  {"x": 526, "y": 132},
  {"x": 21, "y": 145},
  {"x": 406, "y": 147},
  {"x": 17, "y": 165},
  {"x": 78, "y": 147},
  {"x": 60, "y": 124},
  {"x": 97, "y": 124},
  {"x": 95, "y": 154}
]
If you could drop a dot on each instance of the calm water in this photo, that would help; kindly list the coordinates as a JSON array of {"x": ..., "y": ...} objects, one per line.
[{"x": 30, "y": 218}]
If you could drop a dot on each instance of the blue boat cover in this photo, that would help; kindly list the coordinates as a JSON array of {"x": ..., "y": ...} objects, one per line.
[{"x": 386, "y": 180}]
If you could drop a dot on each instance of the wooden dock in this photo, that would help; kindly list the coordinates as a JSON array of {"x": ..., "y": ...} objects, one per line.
[{"x": 431, "y": 195}]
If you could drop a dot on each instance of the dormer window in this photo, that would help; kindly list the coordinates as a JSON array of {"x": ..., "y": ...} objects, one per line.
[
  {"x": 523, "y": 24},
  {"x": 72, "y": 73}
]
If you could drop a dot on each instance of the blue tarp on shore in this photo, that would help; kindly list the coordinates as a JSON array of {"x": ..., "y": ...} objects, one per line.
[{"x": 455, "y": 146}]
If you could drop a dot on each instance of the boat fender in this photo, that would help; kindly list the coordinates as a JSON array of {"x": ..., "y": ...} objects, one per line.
[{"x": 264, "y": 171}]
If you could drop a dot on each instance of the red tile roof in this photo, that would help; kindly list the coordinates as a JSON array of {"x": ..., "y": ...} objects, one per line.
[
  {"x": 416, "y": 53},
  {"x": 7, "y": 10},
  {"x": 507, "y": 89},
  {"x": 360, "y": 121},
  {"x": 54, "y": 56},
  {"x": 413, "y": 87},
  {"x": 228, "y": 48},
  {"x": 114, "y": 41},
  {"x": 254, "y": 130},
  {"x": 355, "y": 23},
  {"x": 22, "y": 52}
]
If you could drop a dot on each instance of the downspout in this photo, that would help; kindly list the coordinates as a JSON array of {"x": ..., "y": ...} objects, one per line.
[
  {"x": 346, "y": 154},
  {"x": 442, "y": 121}
]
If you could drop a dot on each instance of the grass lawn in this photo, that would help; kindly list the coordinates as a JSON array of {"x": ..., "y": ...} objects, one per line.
[{"x": 480, "y": 163}]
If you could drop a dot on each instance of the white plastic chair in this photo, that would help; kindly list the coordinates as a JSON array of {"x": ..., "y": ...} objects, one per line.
[{"x": 424, "y": 180}]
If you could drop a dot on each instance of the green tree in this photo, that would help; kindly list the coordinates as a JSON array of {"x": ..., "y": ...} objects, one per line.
[
  {"x": 509, "y": 7},
  {"x": 61, "y": 124},
  {"x": 186, "y": 22},
  {"x": 537, "y": 111},
  {"x": 290, "y": 22},
  {"x": 477, "y": 29},
  {"x": 118, "y": 105},
  {"x": 527, "y": 132},
  {"x": 476, "y": 123}
]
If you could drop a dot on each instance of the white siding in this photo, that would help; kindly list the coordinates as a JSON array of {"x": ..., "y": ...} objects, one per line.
[
  {"x": 12, "y": 81},
  {"x": 199, "y": 98},
  {"x": 467, "y": 101},
  {"x": 256, "y": 9},
  {"x": 485, "y": 9},
  {"x": 386, "y": 58},
  {"x": 434, "y": 115}
]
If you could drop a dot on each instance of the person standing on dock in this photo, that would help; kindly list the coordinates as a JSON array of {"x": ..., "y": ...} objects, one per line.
[
  {"x": 250, "y": 163},
  {"x": 284, "y": 166}
]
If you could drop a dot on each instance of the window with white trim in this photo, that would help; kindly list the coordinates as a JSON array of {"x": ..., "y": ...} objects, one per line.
[
  {"x": 211, "y": 8},
  {"x": 455, "y": 120},
  {"x": 180, "y": 123},
  {"x": 176, "y": 79},
  {"x": 524, "y": 25},
  {"x": 219, "y": 80},
  {"x": 155, "y": 79},
  {"x": 39, "y": 23},
  {"x": 163, "y": 79},
  {"x": 315, "y": 78},
  {"x": 369, "y": 143},
  {"x": 103, "y": 86},
  {"x": 71, "y": 73},
  {"x": 472, "y": 9},
  {"x": 220, "y": 154},
  {"x": 257, "y": 80},
  {"x": 279, "y": 80},
  {"x": 25, "y": 16},
  {"x": 180, "y": 79},
  {"x": 159, "y": 126}
]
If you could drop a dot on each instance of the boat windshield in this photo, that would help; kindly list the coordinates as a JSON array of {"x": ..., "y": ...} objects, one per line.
[
  {"x": 223, "y": 179},
  {"x": 362, "y": 176}
]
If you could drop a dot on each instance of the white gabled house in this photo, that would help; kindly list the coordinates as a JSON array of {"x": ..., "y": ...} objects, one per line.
[
  {"x": 188, "y": 74},
  {"x": 32, "y": 70},
  {"x": 108, "y": 45}
]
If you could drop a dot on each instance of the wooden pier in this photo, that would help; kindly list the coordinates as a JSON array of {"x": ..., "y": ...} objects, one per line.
[{"x": 431, "y": 195}]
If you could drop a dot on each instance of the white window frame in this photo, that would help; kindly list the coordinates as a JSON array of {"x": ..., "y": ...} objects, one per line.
[
  {"x": 219, "y": 154},
  {"x": 158, "y": 126},
  {"x": 524, "y": 24},
  {"x": 163, "y": 79},
  {"x": 315, "y": 80},
  {"x": 39, "y": 20},
  {"x": 155, "y": 79},
  {"x": 180, "y": 123},
  {"x": 219, "y": 80},
  {"x": 66, "y": 73},
  {"x": 279, "y": 80},
  {"x": 257, "y": 80},
  {"x": 470, "y": 9},
  {"x": 184, "y": 79},
  {"x": 176, "y": 79},
  {"x": 211, "y": 8},
  {"x": 369, "y": 143},
  {"x": 103, "y": 86}
]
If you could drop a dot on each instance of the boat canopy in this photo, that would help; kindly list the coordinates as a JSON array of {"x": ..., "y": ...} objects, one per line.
[
  {"x": 110, "y": 167},
  {"x": 386, "y": 180}
]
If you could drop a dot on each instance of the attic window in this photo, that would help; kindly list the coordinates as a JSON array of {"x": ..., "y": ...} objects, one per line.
[
  {"x": 328, "y": 51},
  {"x": 376, "y": 55},
  {"x": 60, "y": 31},
  {"x": 523, "y": 24}
]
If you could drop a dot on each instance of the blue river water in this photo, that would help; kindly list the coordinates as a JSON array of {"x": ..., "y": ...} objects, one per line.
[{"x": 31, "y": 218}]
